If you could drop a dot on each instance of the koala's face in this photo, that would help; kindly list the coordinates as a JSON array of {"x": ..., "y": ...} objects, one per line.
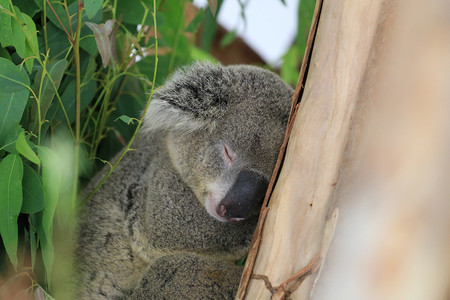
[
  {"x": 227, "y": 153},
  {"x": 229, "y": 168}
]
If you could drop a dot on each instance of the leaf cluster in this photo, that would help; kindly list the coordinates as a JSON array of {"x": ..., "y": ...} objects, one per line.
[{"x": 74, "y": 78}]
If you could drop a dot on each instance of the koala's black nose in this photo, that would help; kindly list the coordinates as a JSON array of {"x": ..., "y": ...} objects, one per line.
[{"x": 245, "y": 194}]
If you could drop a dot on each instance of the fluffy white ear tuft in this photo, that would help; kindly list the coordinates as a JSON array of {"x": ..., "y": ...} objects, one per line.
[{"x": 163, "y": 116}]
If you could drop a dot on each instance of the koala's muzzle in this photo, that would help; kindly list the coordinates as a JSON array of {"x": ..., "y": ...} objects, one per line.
[{"x": 245, "y": 194}]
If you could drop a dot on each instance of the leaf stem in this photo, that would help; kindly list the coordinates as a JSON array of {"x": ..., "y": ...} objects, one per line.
[
  {"x": 76, "y": 54},
  {"x": 61, "y": 23}
]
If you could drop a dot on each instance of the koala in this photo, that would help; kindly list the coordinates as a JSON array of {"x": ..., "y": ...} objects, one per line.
[{"x": 180, "y": 209}]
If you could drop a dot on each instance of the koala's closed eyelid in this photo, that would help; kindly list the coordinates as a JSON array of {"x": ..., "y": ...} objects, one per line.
[{"x": 228, "y": 154}]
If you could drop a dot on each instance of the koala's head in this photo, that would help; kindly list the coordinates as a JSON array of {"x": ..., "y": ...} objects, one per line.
[{"x": 224, "y": 126}]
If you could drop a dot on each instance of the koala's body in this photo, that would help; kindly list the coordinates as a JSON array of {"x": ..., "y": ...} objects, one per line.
[{"x": 179, "y": 210}]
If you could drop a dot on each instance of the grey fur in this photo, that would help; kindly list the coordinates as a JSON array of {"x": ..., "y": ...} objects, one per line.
[{"x": 146, "y": 233}]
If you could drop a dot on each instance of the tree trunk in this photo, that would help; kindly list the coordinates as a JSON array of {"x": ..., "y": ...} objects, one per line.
[{"x": 360, "y": 209}]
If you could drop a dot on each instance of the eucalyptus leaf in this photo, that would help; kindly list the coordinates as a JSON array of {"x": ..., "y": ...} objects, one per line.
[
  {"x": 132, "y": 12},
  {"x": 228, "y": 39},
  {"x": 33, "y": 192},
  {"x": 126, "y": 119},
  {"x": 25, "y": 149},
  {"x": 51, "y": 181},
  {"x": 28, "y": 7},
  {"x": 33, "y": 245},
  {"x": 196, "y": 22},
  {"x": 6, "y": 33},
  {"x": 25, "y": 38},
  {"x": 101, "y": 34},
  {"x": 11, "y": 78},
  {"x": 11, "y": 139},
  {"x": 92, "y": 7},
  {"x": 4, "y": 53},
  {"x": 88, "y": 91},
  {"x": 12, "y": 105},
  {"x": 54, "y": 73},
  {"x": 57, "y": 42},
  {"x": 11, "y": 174}
]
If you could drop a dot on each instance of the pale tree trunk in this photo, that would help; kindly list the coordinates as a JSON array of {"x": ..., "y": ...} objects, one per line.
[{"x": 361, "y": 207}]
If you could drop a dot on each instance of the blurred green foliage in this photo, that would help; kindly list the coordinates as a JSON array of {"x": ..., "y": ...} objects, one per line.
[
  {"x": 54, "y": 56},
  {"x": 291, "y": 61}
]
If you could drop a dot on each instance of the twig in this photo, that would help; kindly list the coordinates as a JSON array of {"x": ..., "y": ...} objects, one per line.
[{"x": 282, "y": 291}]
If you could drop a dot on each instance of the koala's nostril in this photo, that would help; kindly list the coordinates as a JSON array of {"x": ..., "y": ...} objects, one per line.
[
  {"x": 244, "y": 196},
  {"x": 221, "y": 210}
]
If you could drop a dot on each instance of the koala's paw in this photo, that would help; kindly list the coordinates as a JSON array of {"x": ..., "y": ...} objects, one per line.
[{"x": 189, "y": 276}]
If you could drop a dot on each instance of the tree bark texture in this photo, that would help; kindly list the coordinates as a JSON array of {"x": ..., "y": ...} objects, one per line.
[{"x": 360, "y": 209}]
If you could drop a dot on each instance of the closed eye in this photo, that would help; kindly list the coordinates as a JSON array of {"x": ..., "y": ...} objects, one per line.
[{"x": 228, "y": 154}]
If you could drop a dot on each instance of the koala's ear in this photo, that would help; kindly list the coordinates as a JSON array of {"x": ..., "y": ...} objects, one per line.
[
  {"x": 193, "y": 98},
  {"x": 163, "y": 116}
]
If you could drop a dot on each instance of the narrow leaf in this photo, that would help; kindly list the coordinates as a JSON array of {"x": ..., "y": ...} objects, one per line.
[
  {"x": 88, "y": 91},
  {"x": 195, "y": 23},
  {"x": 11, "y": 139},
  {"x": 12, "y": 105},
  {"x": 33, "y": 245},
  {"x": 92, "y": 7},
  {"x": 33, "y": 192},
  {"x": 5, "y": 24},
  {"x": 101, "y": 34},
  {"x": 228, "y": 39},
  {"x": 126, "y": 119},
  {"x": 11, "y": 173},
  {"x": 25, "y": 38},
  {"x": 11, "y": 78},
  {"x": 25, "y": 149},
  {"x": 51, "y": 181},
  {"x": 55, "y": 72}
]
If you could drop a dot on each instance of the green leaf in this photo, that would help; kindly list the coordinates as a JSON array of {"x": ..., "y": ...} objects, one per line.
[
  {"x": 25, "y": 38},
  {"x": 11, "y": 139},
  {"x": 33, "y": 244},
  {"x": 57, "y": 42},
  {"x": 25, "y": 149},
  {"x": 199, "y": 54},
  {"x": 33, "y": 192},
  {"x": 4, "y": 53},
  {"x": 228, "y": 39},
  {"x": 59, "y": 9},
  {"x": 55, "y": 70},
  {"x": 132, "y": 12},
  {"x": 11, "y": 173},
  {"x": 290, "y": 67},
  {"x": 101, "y": 34},
  {"x": 28, "y": 7},
  {"x": 46, "y": 244},
  {"x": 6, "y": 34},
  {"x": 62, "y": 21},
  {"x": 92, "y": 7},
  {"x": 12, "y": 105},
  {"x": 305, "y": 14},
  {"x": 88, "y": 91},
  {"x": 11, "y": 78},
  {"x": 195, "y": 23},
  {"x": 126, "y": 119},
  {"x": 209, "y": 28},
  {"x": 51, "y": 181}
]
